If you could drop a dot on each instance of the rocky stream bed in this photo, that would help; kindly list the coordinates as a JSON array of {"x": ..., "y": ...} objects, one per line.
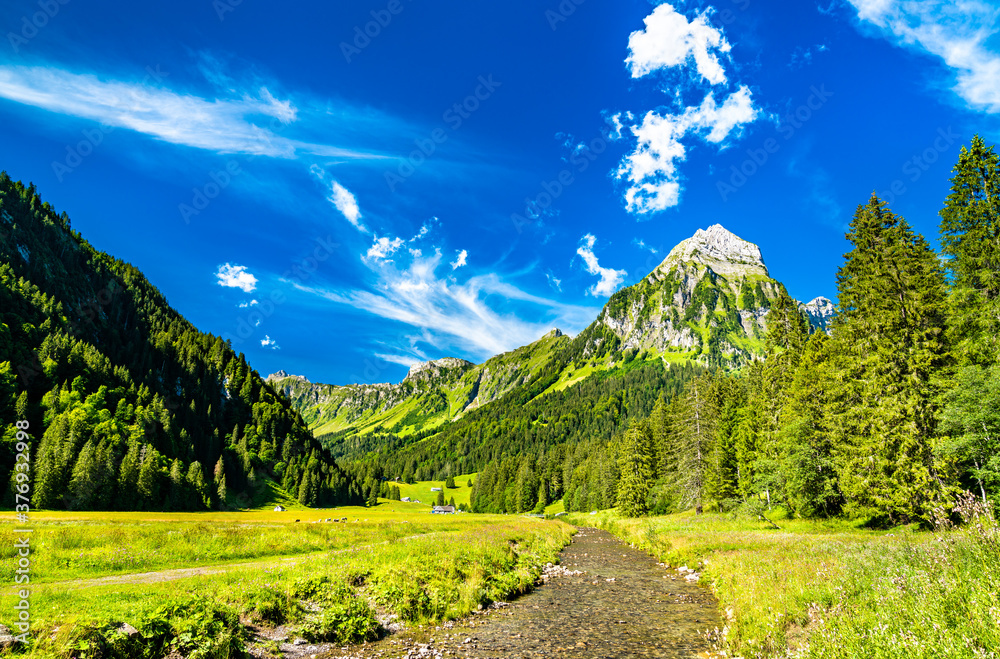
[{"x": 604, "y": 599}]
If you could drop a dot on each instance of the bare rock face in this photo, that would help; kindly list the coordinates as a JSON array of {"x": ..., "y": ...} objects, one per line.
[
  {"x": 435, "y": 367},
  {"x": 721, "y": 250}
]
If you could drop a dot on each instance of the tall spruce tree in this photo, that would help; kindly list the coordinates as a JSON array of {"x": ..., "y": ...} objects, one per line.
[
  {"x": 694, "y": 442},
  {"x": 970, "y": 238},
  {"x": 635, "y": 466},
  {"x": 889, "y": 343},
  {"x": 807, "y": 466}
]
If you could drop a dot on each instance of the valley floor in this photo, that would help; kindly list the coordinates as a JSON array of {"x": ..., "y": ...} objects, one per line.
[
  {"x": 292, "y": 584},
  {"x": 128, "y": 584}
]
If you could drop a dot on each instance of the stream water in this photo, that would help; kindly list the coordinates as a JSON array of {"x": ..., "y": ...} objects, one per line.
[{"x": 623, "y": 604}]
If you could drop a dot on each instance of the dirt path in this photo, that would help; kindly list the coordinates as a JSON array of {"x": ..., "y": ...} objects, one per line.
[{"x": 624, "y": 604}]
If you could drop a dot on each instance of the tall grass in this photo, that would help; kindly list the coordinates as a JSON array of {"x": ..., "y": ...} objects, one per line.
[{"x": 342, "y": 596}]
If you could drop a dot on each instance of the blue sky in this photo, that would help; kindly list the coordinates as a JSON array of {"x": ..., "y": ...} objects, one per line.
[{"x": 346, "y": 188}]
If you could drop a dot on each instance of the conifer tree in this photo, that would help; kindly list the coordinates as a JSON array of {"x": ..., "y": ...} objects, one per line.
[
  {"x": 807, "y": 463},
  {"x": 197, "y": 488},
  {"x": 694, "y": 442},
  {"x": 888, "y": 344},
  {"x": 220, "y": 484},
  {"x": 440, "y": 499},
  {"x": 970, "y": 239},
  {"x": 635, "y": 467}
]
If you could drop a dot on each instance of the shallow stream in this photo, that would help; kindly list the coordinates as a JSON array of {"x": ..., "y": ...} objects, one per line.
[{"x": 623, "y": 604}]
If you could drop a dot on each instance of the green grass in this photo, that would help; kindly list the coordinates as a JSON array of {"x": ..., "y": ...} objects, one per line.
[
  {"x": 345, "y": 578},
  {"x": 421, "y": 490},
  {"x": 75, "y": 545},
  {"x": 832, "y": 589},
  {"x": 556, "y": 507}
]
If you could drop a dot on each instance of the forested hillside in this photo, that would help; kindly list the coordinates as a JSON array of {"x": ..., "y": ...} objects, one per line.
[
  {"x": 130, "y": 407},
  {"x": 884, "y": 418},
  {"x": 887, "y": 418}
]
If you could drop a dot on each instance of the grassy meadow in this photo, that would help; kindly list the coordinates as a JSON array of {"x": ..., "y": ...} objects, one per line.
[
  {"x": 335, "y": 582},
  {"x": 831, "y": 588},
  {"x": 421, "y": 491}
]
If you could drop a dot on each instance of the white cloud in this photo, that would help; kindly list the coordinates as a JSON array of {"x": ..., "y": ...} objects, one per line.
[
  {"x": 402, "y": 360},
  {"x": 962, "y": 34},
  {"x": 347, "y": 204},
  {"x": 554, "y": 281},
  {"x": 610, "y": 279},
  {"x": 669, "y": 40},
  {"x": 641, "y": 244},
  {"x": 651, "y": 168},
  {"x": 460, "y": 260},
  {"x": 234, "y": 123},
  {"x": 268, "y": 342},
  {"x": 236, "y": 276},
  {"x": 383, "y": 248},
  {"x": 467, "y": 313},
  {"x": 247, "y": 305}
]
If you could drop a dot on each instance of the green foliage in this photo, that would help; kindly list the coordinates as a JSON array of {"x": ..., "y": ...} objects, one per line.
[
  {"x": 970, "y": 228},
  {"x": 635, "y": 468},
  {"x": 889, "y": 345},
  {"x": 970, "y": 420}
]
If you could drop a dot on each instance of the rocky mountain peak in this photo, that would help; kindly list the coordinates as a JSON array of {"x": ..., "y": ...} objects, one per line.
[
  {"x": 821, "y": 311},
  {"x": 435, "y": 366},
  {"x": 721, "y": 250},
  {"x": 282, "y": 375}
]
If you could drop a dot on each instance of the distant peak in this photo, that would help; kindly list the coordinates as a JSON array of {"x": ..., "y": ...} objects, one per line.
[
  {"x": 554, "y": 333},
  {"x": 281, "y": 375},
  {"x": 820, "y": 303},
  {"x": 716, "y": 244}
]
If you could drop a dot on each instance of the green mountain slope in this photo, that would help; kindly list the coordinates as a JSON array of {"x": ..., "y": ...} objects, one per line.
[
  {"x": 431, "y": 394},
  {"x": 129, "y": 406},
  {"x": 706, "y": 304}
]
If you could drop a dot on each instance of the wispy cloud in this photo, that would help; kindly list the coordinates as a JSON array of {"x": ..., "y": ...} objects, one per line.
[
  {"x": 239, "y": 121},
  {"x": 402, "y": 360},
  {"x": 641, "y": 244},
  {"x": 268, "y": 342},
  {"x": 671, "y": 41},
  {"x": 460, "y": 260},
  {"x": 347, "y": 205},
  {"x": 962, "y": 34},
  {"x": 236, "y": 276},
  {"x": 247, "y": 305},
  {"x": 484, "y": 315},
  {"x": 610, "y": 278},
  {"x": 383, "y": 248}
]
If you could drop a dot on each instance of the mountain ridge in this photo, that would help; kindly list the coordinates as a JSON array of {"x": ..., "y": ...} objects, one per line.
[{"x": 706, "y": 302}]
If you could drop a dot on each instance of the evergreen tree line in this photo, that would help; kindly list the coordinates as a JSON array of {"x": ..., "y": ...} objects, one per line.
[
  {"x": 130, "y": 407},
  {"x": 884, "y": 419}
]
